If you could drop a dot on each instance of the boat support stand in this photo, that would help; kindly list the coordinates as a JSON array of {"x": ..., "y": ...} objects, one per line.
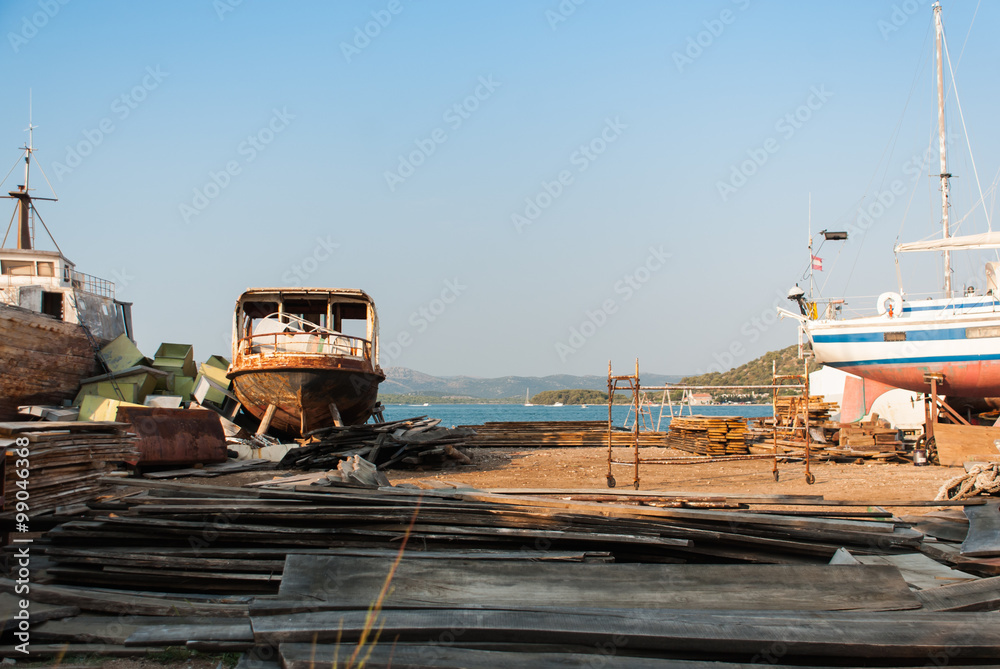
[
  {"x": 932, "y": 410},
  {"x": 265, "y": 422}
]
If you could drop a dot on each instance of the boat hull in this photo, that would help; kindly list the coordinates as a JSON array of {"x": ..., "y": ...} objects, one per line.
[
  {"x": 962, "y": 344},
  {"x": 42, "y": 360},
  {"x": 302, "y": 394},
  {"x": 962, "y": 378}
]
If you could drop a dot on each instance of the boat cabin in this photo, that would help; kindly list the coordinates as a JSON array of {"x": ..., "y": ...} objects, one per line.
[{"x": 306, "y": 321}]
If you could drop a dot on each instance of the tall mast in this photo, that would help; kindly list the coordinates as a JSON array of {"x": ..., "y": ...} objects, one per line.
[{"x": 939, "y": 29}]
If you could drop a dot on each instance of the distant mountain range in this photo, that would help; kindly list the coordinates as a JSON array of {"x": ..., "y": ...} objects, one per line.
[{"x": 401, "y": 380}]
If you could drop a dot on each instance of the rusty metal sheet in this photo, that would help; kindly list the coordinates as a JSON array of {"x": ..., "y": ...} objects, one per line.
[{"x": 176, "y": 436}]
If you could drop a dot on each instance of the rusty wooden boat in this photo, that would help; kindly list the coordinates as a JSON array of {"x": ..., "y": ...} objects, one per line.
[
  {"x": 306, "y": 358},
  {"x": 52, "y": 317}
]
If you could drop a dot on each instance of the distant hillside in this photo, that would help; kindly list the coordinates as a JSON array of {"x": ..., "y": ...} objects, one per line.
[
  {"x": 404, "y": 381},
  {"x": 754, "y": 373}
]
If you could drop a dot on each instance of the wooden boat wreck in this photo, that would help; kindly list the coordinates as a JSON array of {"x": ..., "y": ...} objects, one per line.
[
  {"x": 53, "y": 319},
  {"x": 306, "y": 358}
]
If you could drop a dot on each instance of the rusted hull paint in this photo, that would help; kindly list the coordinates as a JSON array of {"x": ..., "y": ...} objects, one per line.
[
  {"x": 42, "y": 360},
  {"x": 302, "y": 396}
]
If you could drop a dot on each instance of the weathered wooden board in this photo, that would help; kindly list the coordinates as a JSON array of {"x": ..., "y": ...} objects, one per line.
[
  {"x": 940, "y": 528},
  {"x": 115, "y": 602},
  {"x": 916, "y": 635},
  {"x": 206, "y": 630},
  {"x": 355, "y": 583},
  {"x": 10, "y": 607},
  {"x": 983, "y": 539},
  {"x": 113, "y": 629},
  {"x": 60, "y": 650},
  {"x": 958, "y": 443},
  {"x": 981, "y": 595},
  {"x": 918, "y": 570}
]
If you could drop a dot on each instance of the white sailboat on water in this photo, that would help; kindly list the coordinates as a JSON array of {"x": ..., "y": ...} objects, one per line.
[
  {"x": 527, "y": 402},
  {"x": 954, "y": 340}
]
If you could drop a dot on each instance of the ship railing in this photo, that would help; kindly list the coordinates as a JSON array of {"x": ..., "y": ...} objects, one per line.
[
  {"x": 867, "y": 305},
  {"x": 319, "y": 344},
  {"x": 91, "y": 284}
]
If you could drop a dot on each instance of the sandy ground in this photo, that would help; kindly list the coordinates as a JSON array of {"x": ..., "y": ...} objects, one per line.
[{"x": 587, "y": 468}]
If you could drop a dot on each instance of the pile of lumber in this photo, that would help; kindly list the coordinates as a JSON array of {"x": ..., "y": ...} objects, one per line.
[
  {"x": 873, "y": 439},
  {"x": 709, "y": 435},
  {"x": 871, "y": 435},
  {"x": 220, "y": 539},
  {"x": 790, "y": 410},
  {"x": 556, "y": 434},
  {"x": 62, "y": 461},
  {"x": 467, "y": 578},
  {"x": 412, "y": 442}
]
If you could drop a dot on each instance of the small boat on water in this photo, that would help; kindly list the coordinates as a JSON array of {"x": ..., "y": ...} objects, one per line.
[
  {"x": 53, "y": 319},
  {"x": 295, "y": 368}
]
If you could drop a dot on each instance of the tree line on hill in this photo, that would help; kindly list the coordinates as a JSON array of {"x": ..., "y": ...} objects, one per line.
[{"x": 754, "y": 373}]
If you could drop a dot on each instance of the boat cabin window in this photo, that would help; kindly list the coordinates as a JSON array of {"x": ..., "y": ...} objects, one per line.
[
  {"x": 46, "y": 269},
  {"x": 17, "y": 267},
  {"x": 304, "y": 314}
]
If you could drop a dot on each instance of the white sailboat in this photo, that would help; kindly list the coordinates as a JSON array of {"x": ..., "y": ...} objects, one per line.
[
  {"x": 955, "y": 339},
  {"x": 527, "y": 402}
]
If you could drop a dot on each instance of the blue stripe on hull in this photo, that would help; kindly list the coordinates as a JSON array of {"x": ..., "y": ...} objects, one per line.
[{"x": 911, "y": 335}]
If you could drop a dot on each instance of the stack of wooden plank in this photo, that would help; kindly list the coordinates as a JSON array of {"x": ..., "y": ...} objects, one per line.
[
  {"x": 62, "y": 461},
  {"x": 791, "y": 410},
  {"x": 467, "y": 578},
  {"x": 556, "y": 434},
  {"x": 207, "y": 538},
  {"x": 872, "y": 435},
  {"x": 708, "y": 435},
  {"x": 412, "y": 442}
]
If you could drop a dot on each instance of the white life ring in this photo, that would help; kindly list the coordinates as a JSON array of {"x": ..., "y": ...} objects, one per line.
[{"x": 890, "y": 304}]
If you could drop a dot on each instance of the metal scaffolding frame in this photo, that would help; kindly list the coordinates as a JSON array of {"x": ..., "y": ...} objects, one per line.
[{"x": 630, "y": 383}]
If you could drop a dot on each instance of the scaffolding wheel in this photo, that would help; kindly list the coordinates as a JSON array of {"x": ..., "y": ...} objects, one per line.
[
  {"x": 775, "y": 474},
  {"x": 810, "y": 479},
  {"x": 636, "y": 485},
  {"x": 611, "y": 481}
]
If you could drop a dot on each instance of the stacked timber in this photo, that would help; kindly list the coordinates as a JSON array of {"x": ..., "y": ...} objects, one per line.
[
  {"x": 790, "y": 411},
  {"x": 220, "y": 539},
  {"x": 709, "y": 435},
  {"x": 871, "y": 435},
  {"x": 440, "y": 577},
  {"x": 556, "y": 434},
  {"x": 412, "y": 442},
  {"x": 60, "y": 463}
]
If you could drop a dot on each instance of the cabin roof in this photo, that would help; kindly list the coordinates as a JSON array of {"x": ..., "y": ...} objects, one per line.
[
  {"x": 37, "y": 254},
  {"x": 255, "y": 294}
]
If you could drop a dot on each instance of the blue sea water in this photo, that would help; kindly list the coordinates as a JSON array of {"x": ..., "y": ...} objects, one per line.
[{"x": 477, "y": 414}]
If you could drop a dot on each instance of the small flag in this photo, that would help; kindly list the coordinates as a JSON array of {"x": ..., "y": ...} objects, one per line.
[{"x": 817, "y": 263}]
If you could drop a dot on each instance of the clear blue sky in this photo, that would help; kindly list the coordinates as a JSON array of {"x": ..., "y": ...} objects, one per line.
[{"x": 303, "y": 121}]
